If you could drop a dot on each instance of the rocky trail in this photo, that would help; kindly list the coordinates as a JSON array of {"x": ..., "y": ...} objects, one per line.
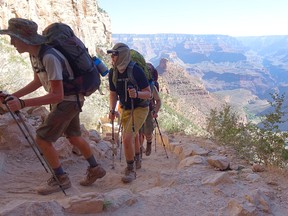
[{"x": 197, "y": 178}]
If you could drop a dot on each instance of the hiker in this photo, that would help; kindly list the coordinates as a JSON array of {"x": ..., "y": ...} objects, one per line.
[
  {"x": 148, "y": 127},
  {"x": 132, "y": 99},
  {"x": 64, "y": 115}
]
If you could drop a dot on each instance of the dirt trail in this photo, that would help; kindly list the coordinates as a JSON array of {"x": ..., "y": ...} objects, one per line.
[
  {"x": 161, "y": 187},
  {"x": 22, "y": 173}
]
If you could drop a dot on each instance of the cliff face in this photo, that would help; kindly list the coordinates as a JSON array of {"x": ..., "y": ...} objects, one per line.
[
  {"x": 188, "y": 48},
  {"x": 89, "y": 22}
]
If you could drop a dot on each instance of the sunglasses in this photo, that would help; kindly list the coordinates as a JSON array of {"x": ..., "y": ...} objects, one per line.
[{"x": 113, "y": 52}]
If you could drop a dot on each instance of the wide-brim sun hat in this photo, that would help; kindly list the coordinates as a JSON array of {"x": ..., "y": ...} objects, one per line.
[{"x": 24, "y": 30}]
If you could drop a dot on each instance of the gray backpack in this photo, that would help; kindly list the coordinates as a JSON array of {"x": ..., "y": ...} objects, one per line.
[{"x": 86, "y": 76}]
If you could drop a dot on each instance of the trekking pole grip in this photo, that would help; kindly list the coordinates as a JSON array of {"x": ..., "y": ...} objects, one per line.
[{"x": 131, "y": 87}]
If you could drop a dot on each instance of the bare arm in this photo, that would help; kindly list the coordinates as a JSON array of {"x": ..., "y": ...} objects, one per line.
[
  {"x": 55, "y": 95},
  {"x": 32, "y": 86},
  {"x": 156, "y": 103},
  {"x": 113, "y": 100},
  {"x": 143, "y": 94},
  {"x": 157, "y": 100}
]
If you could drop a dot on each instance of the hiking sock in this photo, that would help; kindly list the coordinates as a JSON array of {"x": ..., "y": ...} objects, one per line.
[
  {"x": 59, "y": 171},
  {"x": 148, "y": 148},
  {"x": 137, "y": 157},
  {"x": 130, "y": 165},
  {"x": 149, "y": 138},
  {"x": 92, "y": 161}
]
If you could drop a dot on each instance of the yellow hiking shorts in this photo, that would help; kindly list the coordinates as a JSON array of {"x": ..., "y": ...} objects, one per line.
[{"x": 139, "y": 114}]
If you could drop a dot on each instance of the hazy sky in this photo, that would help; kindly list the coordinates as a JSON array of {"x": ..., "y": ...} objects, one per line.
[{"x": 228, "y": 17}]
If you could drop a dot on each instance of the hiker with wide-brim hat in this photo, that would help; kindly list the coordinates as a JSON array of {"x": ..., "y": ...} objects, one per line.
[
  {"x": 64, "y": 115},
  {"x": 24, "y": 30}
]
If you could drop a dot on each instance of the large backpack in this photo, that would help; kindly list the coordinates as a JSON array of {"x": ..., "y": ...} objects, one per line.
[
  {"x": 86, "y": 76},
  {"x": 140, "y": 60},
  {"x": 137, "y": 58},
  {"x": 154, "y": 73}
]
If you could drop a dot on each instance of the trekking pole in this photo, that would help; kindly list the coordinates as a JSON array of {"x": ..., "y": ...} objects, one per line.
[
  {"x": 35, "y": 144},
  {"x": 119, "y": 135},
  {"x": 161, "y": 137},
  {"x": 27, "y": 138},
  {"x": 155, "y": 139},
  {"x": 118, "y": 132},
  {"x": 113, "y": 141},
  {"x": 120, "y": 139},
  {"x": 133, "y": 125}
]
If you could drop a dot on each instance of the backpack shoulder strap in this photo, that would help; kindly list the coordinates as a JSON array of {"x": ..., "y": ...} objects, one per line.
[
  {"x": 130, "y": 73},
  {"x": 46, "y": 49}
]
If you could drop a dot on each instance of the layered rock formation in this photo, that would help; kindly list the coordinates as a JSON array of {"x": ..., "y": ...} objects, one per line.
[
  {"x": 89, "y": 22},
  {"x": 222, "y": 62}
]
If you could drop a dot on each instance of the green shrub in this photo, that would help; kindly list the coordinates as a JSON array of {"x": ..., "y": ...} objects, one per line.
[
  {"x": 224, "y": 125},
  {"x": 262, "y": 143},
  {"x": 172, "y": 121}
]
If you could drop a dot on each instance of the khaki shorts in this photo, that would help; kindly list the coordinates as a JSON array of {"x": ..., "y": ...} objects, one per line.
[
  {"x": 148, "y": 126},
  {"x": 140, "y": 114},
  {"x": 62, "y": 120}
]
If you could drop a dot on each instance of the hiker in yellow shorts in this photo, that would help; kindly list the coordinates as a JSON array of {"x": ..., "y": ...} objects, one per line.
[{"x": 133, "y": 95}]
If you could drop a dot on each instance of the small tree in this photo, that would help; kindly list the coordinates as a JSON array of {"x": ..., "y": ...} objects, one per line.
[
  {"x": 262, "y": 143},
  {"x": 224, "y": 125},
  {"x": 268, "y": 140}
]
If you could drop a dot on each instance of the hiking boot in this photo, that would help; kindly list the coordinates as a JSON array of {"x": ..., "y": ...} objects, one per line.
[
  {"x": 93, "y": 173},
  {"x": 53, "y": 185},
  {"x": 76, "y": 151},
  {"x": 148, "y": 149},
  {"x": 138, "y": 163},
  {"x": 129, "y": 176}
]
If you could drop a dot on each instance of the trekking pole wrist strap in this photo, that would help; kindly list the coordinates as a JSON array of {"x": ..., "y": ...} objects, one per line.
[
  {"x": 5, "y": 95},
  {"x": 22, "y": 103}
]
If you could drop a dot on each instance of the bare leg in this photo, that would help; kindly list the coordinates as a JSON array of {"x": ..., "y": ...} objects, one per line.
[
  {"x": 49, "y": 152},
  {"x": 82, "y": 145},
  {"x": 137, "y": 143},
  {"x": 128, "y": 146}
]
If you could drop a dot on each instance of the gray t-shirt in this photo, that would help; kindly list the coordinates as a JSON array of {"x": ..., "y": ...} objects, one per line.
[{"x": 53, "y": 71}]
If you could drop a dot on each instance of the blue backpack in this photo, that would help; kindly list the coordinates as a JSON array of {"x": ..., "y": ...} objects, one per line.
[{"x": 86, "y": 75}]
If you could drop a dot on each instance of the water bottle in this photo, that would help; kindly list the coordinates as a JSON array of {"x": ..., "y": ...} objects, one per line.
[{"x": 102, "y": 68}]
